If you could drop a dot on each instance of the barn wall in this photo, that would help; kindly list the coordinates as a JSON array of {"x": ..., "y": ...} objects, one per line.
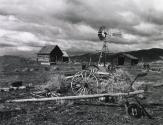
[
  {"x": 114, "y": 61},
  {"x": 127, "y": 61},
  {"x": 134, "y": 62},
  {"x": 56, "y": 55},
  {"x": 43, "y": 58},
  {"x": 65, "y": 59},
  {"x": 121, "y": 60}
]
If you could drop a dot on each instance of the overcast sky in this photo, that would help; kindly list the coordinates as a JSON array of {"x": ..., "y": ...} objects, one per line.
[{"x": 27, "y": 25}]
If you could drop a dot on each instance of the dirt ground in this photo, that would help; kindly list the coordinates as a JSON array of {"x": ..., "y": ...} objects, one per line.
[{"x": 69, "y": 113}]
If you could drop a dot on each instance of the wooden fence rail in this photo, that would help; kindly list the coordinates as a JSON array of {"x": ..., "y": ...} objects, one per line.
[{"x": 77, "y": 97}]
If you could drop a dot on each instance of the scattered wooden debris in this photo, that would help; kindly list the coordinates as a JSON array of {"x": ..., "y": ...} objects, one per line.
[{"x": 45, "y": 93}]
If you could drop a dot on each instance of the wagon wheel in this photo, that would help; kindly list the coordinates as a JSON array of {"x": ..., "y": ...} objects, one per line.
[
  {"x": 135, "y": 111},
  {"x": 93, "y": 68},
  {"x": 84, "y": 83}
]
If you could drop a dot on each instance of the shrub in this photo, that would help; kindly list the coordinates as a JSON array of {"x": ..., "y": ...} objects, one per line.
[
  {"x": 118, "y": 81},
  {"x": 54, "y": 82}
]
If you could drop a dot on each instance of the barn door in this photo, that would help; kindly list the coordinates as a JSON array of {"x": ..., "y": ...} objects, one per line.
[{"x": 121, "y": 60}]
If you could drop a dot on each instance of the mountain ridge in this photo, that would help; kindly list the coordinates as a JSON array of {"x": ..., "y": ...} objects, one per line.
[{"x": 146, "y": 55}]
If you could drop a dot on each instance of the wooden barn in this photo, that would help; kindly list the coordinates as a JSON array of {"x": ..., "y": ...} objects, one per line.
[
  {"x": 124, "y": 59},
  {"x": 51, "y": 55}
]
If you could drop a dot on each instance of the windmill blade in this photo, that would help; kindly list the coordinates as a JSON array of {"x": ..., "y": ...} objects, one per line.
[
  {"x": 117, "y": 34},
  {"x": 102, "y": 33},
  {"x": 117, "y": 40}
]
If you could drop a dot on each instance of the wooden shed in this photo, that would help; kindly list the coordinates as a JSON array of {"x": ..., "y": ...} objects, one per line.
[
  {"x": 124, "y": 59},
  {"x": 50, "y": 55},
  {"x": 65, "y": 57}
]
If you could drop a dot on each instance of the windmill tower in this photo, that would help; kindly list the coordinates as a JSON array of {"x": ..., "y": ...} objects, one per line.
[
  {"x": 102, "y": 36},
  {"x": 105, "y": 37}
]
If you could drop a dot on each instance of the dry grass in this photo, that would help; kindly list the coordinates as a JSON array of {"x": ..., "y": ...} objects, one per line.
[
  {"x": 50, "y": 113},
  {"x": 118, "y": 81},
  {"x": 53, "y": 83}
]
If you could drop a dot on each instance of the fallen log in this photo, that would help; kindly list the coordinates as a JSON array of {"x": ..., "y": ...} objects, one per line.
[{"x": 77, "y": 97}]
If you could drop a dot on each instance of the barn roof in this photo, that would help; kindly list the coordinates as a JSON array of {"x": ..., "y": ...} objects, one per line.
[
  {"x": 65, "y": 53},
  {"x": 47, "y": 49}
]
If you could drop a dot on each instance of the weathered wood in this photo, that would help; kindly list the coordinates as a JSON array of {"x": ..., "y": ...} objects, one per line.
[
  {"x": 77, "y": 97},
  {"x": 100, "y": 73},
  {"x": 158, "y": 85},
  {"x": 69, "y": 77},
  {"x": 103, "y": 73}
]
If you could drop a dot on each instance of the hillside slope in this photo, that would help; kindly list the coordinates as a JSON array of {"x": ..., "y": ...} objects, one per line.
[{"x": 148, "y": 55}]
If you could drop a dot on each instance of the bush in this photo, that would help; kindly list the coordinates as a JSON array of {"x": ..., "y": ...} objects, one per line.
[
  {"x": 54, "y": 82},
  {"x": 118, "y": 81}
]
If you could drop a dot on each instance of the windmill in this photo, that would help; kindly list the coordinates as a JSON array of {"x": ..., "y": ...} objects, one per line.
[{"x": 105, "y": 37}]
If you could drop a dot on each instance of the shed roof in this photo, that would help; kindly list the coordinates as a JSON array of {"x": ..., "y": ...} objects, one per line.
[
  {"x": 47, "y": 49},
  {"x": 161, "y": 57},
  {"x": 130, "y": 56},
  {"x": 126, "y": 55}
]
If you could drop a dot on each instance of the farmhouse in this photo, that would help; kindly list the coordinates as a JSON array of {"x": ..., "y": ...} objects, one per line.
[
  {"x": 51, "y": 55},
  {"x": 124, "y": 59}
]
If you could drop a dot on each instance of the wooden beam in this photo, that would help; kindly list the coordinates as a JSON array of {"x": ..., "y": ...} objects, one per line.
[
  {"x": 69, "y": 77},
  {"x": 77, "y": 97}
]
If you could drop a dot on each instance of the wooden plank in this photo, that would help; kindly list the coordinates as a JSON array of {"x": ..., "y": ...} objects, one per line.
[
  {"x": 158, "y": 85},
  {"x": 68, "y": 77},
  {"x": 103, "y": 73},
  {"x": 77, "y": 97}
]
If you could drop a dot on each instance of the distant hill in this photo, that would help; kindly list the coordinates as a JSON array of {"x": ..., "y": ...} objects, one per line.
[
  {"x": 15, "y": 60},
  {"x": 147, "y": 55}
]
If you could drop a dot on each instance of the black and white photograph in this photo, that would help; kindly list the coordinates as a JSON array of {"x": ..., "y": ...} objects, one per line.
[{"x": 81, "y": 62}]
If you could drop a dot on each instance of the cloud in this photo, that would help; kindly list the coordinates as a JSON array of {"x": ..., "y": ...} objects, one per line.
[{"x": 28, "y": 25}]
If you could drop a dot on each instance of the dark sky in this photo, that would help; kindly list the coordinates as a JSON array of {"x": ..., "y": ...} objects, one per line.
[{"x": 26, "y": 25}]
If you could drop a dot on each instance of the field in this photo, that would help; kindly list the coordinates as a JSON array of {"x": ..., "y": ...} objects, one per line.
[{"x": 68, "y": 112}]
